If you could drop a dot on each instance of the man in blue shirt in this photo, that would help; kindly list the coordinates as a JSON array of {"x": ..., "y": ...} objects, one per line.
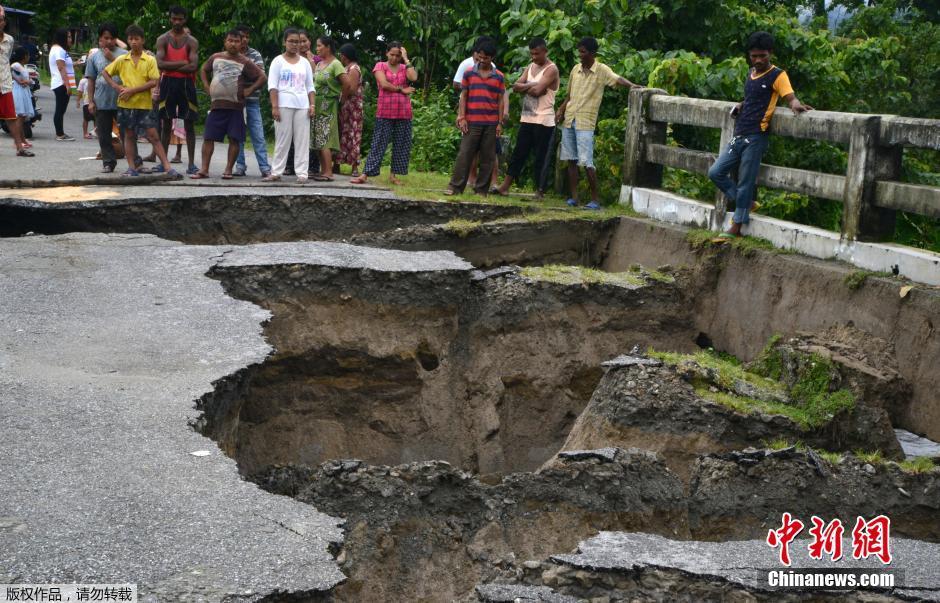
[
  {"x": 103, "y": 98},
  {"x": 764, "y": 85}
]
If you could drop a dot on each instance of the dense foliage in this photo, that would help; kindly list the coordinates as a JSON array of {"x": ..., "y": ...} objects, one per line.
[{"x": 884, "y": 58}]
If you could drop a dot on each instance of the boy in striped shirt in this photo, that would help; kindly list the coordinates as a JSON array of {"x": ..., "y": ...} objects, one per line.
[{"x": 479, "y": 117}]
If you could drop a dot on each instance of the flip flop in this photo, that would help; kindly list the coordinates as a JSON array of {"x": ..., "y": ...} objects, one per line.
[
  {"x": 496, "y": 191},
  {"x": 725, "y": 237},
  {"x": 227, "y": 176},
  {"x": 320, "y": 178},
  {"x": 450, "y": 192},
  {"x": 198, "y": 176}
]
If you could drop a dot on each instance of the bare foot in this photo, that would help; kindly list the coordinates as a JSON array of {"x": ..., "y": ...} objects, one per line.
[
  {"x": 392, "y": 179},
  {"x": 360, "y": 179}
]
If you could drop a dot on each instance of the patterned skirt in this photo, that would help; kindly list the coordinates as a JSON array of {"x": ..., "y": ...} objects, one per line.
[{"x": 350, "y": 125}]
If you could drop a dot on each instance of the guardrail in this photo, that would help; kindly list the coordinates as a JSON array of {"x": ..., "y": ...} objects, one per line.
[{"x": 870, "y": 191}]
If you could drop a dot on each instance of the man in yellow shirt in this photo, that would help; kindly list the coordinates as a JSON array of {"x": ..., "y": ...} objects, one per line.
[
  {"x": 139, "y": 74},
  {"x": 579, "y": 116}
]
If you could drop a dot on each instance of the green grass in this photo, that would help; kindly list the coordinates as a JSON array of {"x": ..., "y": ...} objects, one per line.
[
  {"x": 727, "y": 371},
  {"x": 780, "y": 444},
  {"x": 462, "y": 228},
  {"x": 872, "y": 457},
  {"x": 576, "y": 275},
  {"x": 702, "y": 239},
  {"x": 812, "y": 406},
  {"x": 920, "y": 464},
  {"x": 833, "y": 457},
  {"x": 855, "y": 279}
]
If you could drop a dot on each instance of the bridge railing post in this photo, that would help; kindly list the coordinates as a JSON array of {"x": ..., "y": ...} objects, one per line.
[
  {"x": 641, "y": 132},
  {"x": 868, "y": 162}
]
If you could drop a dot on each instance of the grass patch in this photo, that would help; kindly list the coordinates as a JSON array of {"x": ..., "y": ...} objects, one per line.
[
  {"x": 748, "y": 406},
  {"x": 855, "y": 279},
  {"x": 779, "y": 444},
  {"x": 811, "y": 404},
  {"x": 702, "y": 239},
  {"x": 462, "y": 228},
  {"x": 430, "y": 186},
  {"x": 577, "y": 275},
  {"x": 727, "y": 371},
  {"x": 920, "y": 464},
  {"x": 872, "y": 457},
  {"x": 810, "y": 383},
  {"x": 768, "y": 362},
  {"x": 833, "y": 457}
]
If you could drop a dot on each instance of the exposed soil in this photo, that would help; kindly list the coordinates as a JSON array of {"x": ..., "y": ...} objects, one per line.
[
  {"x": 486, "y": 374},
  {"x": 430, "y": 532},
  {"x": 737, "y": 495},
  {"x": 654, "y": 407}
]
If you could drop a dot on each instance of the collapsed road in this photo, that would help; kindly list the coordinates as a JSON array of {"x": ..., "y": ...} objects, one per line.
[{"x": 380, "y": 424}]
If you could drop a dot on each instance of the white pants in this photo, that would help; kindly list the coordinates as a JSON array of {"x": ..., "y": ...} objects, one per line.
[{"x": 293, "y": 126}]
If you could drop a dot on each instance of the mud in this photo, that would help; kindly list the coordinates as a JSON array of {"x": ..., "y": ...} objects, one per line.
[
  {"x": 654, "y": 406},
  {"x": 429, "y": 532},
  {"x": 737, "y": 495},
  {"x": 486, "y": 374},
  {"x": 240, "y": 219}
]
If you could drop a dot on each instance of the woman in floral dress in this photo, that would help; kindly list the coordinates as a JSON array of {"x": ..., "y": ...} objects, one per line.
[
  {"x": 328, "y": 78},
  {"x": 350, "y": 111}
]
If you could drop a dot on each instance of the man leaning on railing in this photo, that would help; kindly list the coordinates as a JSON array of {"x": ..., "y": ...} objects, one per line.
[{"x": 764, "y": 85}]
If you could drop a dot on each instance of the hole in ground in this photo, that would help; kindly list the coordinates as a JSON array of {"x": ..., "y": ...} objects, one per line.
[{"x": 397, "y": 367}]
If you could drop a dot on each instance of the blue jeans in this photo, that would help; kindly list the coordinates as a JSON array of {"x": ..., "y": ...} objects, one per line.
[
  {"x": 745, "y": 153},
  {"x": 256, "y": 132}
]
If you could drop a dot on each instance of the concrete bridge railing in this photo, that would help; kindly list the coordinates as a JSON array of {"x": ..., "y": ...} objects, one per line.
[{"x": 870, "y": 191}]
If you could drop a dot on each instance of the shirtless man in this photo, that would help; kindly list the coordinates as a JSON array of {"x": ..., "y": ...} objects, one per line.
[{"x": 178, "y": 60}]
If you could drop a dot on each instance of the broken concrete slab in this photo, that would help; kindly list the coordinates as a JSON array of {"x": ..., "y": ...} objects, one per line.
[
  {"x": 105, "y": 342},
  {"x": 737, "y": 495},
  {"x": 647, "y": 565}
]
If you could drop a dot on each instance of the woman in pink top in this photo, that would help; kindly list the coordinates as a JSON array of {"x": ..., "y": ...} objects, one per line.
[{"x": 393, "y": 115}]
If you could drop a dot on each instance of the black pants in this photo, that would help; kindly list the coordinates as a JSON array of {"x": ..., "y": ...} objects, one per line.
[
  {"x": 104, "y": 123},
  {"x": 531, "y": 137},
  {"x": 313, "y": 162},
  {"x": 480, "y": 139},
  {"x": 61, "y": 104}
]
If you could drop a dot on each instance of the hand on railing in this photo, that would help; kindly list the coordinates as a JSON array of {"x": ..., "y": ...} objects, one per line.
[{"x": 797, "y": 107}]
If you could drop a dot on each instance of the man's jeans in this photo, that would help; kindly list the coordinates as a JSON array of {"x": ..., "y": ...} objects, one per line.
[
  {"x": 745, "y": 153},
  {"x": 256, "y": 132}
]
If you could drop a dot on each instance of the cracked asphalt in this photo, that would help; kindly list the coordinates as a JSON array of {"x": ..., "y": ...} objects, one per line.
[{"x": 105, "y": 343}]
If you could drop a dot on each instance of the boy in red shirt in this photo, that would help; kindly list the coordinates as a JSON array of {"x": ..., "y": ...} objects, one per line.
[{"x": 479, "y": 117}]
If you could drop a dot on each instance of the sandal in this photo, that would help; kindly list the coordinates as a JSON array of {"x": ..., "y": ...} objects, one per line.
[
  {"x": 25, "y": 153},
  {"x": 270, "y": 178},
  {"x": 495, "y": 191},
  {"x": 131, "y": 172},
  {"x": 725, "y": 237},
  {"x": 198, "y": 176}
]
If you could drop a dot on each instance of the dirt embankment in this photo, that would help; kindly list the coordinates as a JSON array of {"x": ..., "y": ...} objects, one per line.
[
  {"x": 486, "y": 374},
  {"x": 740, "y": 299}
]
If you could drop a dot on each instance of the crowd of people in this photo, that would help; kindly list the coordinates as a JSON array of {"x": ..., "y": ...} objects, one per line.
[{"x": 316, "y": 94}]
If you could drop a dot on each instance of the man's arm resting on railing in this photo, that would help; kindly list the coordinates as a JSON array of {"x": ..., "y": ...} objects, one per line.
[
  {"x": 795, "y": 105},
  {"x": 622, "y": 81}
]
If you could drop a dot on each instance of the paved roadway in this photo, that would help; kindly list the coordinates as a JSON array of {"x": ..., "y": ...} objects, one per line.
[{"x": 105, "y": 343}]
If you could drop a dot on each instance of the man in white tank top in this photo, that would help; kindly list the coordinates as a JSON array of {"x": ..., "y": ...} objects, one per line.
[{"x": 538, "y": 85}]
